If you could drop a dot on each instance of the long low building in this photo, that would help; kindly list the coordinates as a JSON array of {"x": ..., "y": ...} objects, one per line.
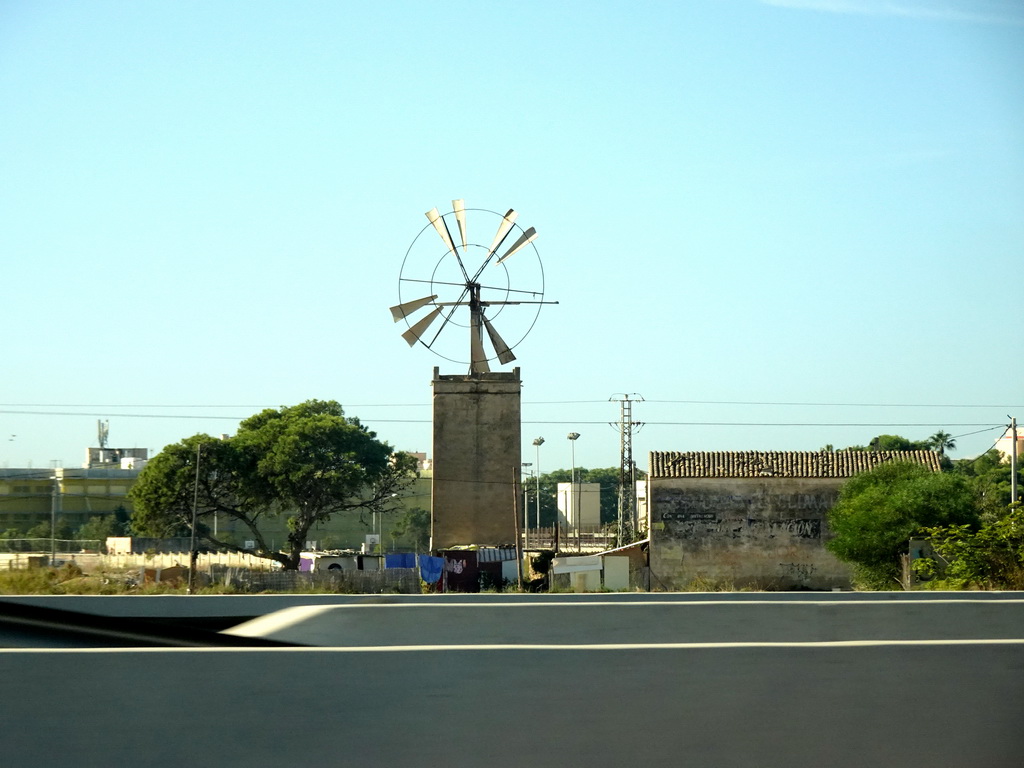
[{"x": 752, "y": 519}]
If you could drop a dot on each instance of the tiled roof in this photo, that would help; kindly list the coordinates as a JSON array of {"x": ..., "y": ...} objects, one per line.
[{"x": 780, "y": 463}]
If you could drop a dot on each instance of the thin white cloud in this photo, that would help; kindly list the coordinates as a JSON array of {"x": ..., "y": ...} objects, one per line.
[{"x": 976, "y": 11}]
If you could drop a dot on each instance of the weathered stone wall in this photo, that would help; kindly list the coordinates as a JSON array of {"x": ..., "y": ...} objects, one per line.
[
  {"x": 747, "y": 532},
  {"x": 477, "y": 431}
]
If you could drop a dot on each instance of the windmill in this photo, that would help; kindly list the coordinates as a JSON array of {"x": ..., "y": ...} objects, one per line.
[
  {"x": 455, "y": 286},
  {"x": 446, "y": 285}
]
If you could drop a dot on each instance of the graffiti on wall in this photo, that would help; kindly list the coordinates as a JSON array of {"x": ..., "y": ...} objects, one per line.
[
  {"x": 695, "y": 502},
  {"x": 738, "y": 528},
  {"x": 710, "y": 514}
]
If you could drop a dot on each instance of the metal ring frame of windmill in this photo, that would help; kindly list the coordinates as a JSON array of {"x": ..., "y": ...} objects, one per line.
[{"x": 453, "y": 284}]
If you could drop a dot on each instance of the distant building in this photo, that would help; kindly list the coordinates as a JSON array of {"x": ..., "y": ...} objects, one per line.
[
  {"x": 752, "y": 518},
  {"x": 422, "y": 462},
  {"x": 1005, "y": 444},
  {"x": 112, "y": 457},
  {"x": 579, "y": 511},
  {"x": 31, "y": 496}
]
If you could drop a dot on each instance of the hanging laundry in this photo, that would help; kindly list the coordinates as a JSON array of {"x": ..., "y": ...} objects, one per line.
[
  {"x": 430, "y": 568},
  {"x": 400, "y": 560}
]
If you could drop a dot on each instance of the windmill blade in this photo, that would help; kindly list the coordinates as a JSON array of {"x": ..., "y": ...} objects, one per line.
[
  {"x": 459, "y": 206},
  {"x": 527, "y": 237},
  {"x": 505, "y": 355},
  {"x": 435, "y": 218},
  {"x": 415, "y": 332},
  {"x": 401, "y": 311},
  {"x": 506, "y": 224},
  {"x": 477, "y": 356}
]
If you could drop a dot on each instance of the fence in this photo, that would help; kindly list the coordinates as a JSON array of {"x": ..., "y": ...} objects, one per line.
[
  {"x": 387, "y": 581},
  {"x": 204, "y": 560},
  {"x": 62, "y": 547},
  {"x": 596, "y": 540}
]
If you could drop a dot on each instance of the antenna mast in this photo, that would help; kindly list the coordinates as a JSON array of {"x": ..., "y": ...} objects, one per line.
[
  {"x": 627, "y": 467},
  {"x": 103, "y": 430}
]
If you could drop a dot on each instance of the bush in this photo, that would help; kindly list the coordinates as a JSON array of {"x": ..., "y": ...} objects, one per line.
[
  {"x": 879, "y": 511},
  {"x": 990, "y": 558}
]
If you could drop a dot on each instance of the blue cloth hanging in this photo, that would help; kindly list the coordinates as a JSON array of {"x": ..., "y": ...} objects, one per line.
[
  {"x": 400, "y": 560},
  {"x": 431, "y": 568}
]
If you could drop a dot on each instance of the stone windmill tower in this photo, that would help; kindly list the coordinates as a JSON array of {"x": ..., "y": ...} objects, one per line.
[{"x": 449, "y": 289}]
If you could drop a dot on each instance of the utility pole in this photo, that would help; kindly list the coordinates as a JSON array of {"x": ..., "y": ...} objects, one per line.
[
  {"x": 516, "y": 496},
  {"x": 193, "y": 553},
  {"x": 1013, "y": 459},
  {"x": 627, "y": 467}
]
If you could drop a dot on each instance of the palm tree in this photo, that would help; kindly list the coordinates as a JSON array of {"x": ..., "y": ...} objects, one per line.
[{"x": 941, "y": 441}]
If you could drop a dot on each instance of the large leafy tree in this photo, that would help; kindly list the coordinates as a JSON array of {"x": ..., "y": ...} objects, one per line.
[
  {"x": 889, "y": 443},
  {"x": 413, "y": 528},
  {"x": 304, "y": 463},
  {"x": 990, "y": 476},
  {"x": 878, "y": 512}
]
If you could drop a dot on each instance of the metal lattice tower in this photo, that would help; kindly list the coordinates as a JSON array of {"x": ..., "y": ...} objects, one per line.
[{"x": 627, "y": 467}]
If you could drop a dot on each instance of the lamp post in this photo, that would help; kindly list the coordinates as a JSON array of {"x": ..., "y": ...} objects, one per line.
[
  {"x": 572, "y": 437},
  {"x": 193, "y": 554},
  {"x": 538, "y": 442},
  {"x": 54, "y": 504},
  {"x": 526, "y": 511}
]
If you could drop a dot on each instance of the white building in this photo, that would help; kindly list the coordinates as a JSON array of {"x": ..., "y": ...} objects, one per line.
[{"x": 579, "y": 512}]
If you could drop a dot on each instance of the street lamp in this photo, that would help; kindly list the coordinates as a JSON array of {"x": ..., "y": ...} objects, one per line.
[
  {"x": 193, "y": 553},
  {"x": 526, "y": 511},
  {"x": 572, "y": 436},
  {"x": 538, "y": 442},
  {"x": 54, "y": 503}
]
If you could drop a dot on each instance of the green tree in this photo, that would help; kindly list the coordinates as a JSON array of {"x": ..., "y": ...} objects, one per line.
[
  {"x": 98, "y": 528},
  {"x": 889, "y": 443},
  {"x": 413, "y": 529},
  {"x": 989, "y": 476},
  {"x": 878, "y": 512},
  {"x": 941, "y": 442},
  {"x": 42, "y": 530},
  {"x": 896, "y": 443},
  {"x": 304, "y": 463}
]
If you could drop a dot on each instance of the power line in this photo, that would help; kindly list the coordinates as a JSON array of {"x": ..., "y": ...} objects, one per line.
[
  {"x": 833, "y": 405},
  {"x": 549, "y": 422},
  {"x": 124, "y": 415},
  {"x": 978, "y": 432},
  {"x": 525, "y": 402}
]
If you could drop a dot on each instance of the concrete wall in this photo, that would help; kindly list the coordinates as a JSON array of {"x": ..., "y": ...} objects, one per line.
[
  {"x": 765, "y": 533},
  {"x": 476, "y": 459}
]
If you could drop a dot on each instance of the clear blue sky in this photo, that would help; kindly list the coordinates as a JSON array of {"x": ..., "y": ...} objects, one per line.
[{"x": 742, "y": 206}]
